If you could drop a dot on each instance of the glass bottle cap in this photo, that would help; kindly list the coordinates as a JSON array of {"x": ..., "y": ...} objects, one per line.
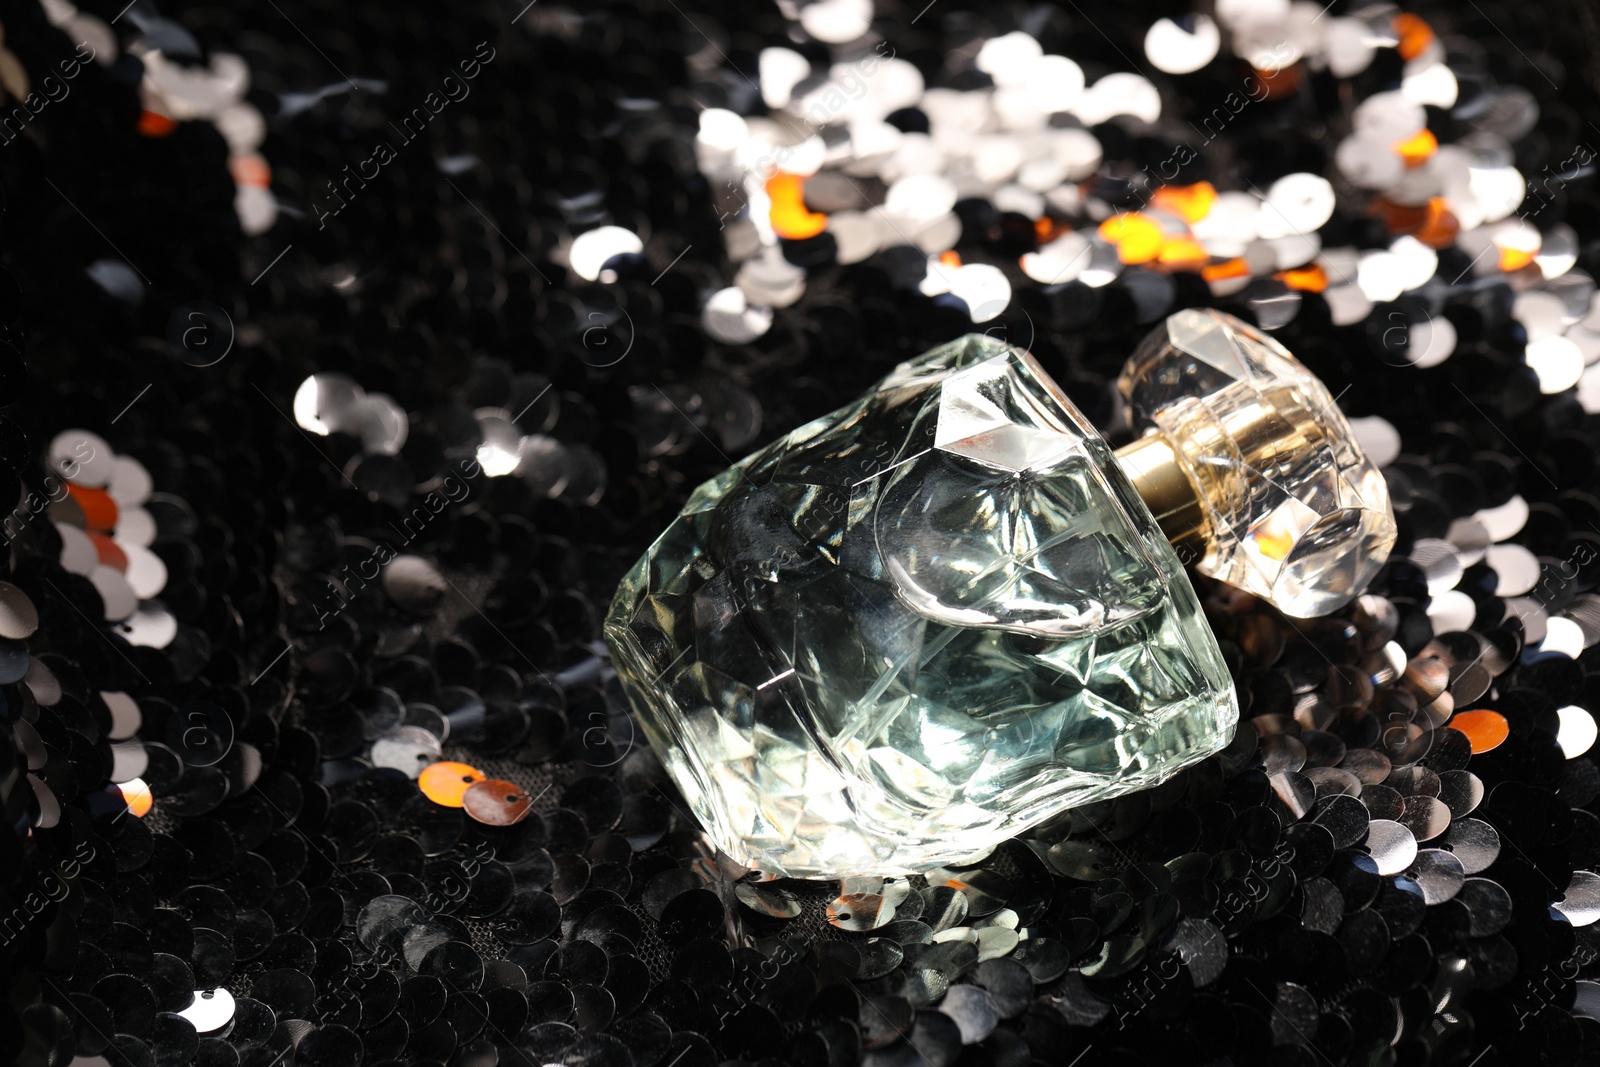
[{"x": 1247, "y": 456}]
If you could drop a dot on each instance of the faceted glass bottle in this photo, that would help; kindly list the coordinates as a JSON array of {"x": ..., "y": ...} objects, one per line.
[{"x": 915, "y": 627}]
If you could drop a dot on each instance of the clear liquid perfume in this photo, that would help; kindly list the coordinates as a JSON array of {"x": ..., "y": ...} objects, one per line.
[{"x": 919, "y": 625}]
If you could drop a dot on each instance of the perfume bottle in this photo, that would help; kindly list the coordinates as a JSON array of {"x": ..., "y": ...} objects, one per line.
[{"x": 919, "y": 625}]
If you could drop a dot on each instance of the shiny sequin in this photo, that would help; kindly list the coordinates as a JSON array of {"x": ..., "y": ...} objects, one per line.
[{"x": 447, "y": 783}]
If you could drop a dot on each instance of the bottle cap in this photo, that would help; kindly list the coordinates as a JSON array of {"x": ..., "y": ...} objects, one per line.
[{"x": 1247, "y": 458}]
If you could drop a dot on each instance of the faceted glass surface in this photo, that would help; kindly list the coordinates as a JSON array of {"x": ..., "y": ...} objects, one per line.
[
  {"x": 1295, "y": 512},
  {"x": 914, "y": 627}
]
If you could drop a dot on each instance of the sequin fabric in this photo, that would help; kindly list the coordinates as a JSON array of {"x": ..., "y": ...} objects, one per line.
[{"x": 502, "y": 245}]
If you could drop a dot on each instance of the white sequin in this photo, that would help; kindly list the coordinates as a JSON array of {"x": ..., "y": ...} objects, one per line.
[
  {"x": 1059, "y": 261},
  {"x": 1007, "y": 58},
  {"x": 836, "y": 21},
  {"x": 729, "y": 318},
  {"x": 1388, "y": 117},
  {"x": 1434, "y": 84},
  {"x": 855, "y": 234},
  {"x": 1378, "y": 439},
  {"x": 1296, "y": 203},
  {"x": 1498, "y": 191},
  {"x": 1557, "y": 361},
  {"x": 1175, "y": 50},
  {"x": 1381, "y": 276},
  {"x": 1237, "y": 13},
  {"x": 591, "y": 249},
  {"x": 1347, "y": 304},
  {"x": 1566, "y": 637},
  {"x": 1542, "y": 314},
  {"x": 1054, "y": 83},
  {"x": 1432, "y": 341},
  {"x": 1369, "y": 162},
  {"x": 1451, "y": 610},
  {"x": 722, "y": 130},
  {"x": 984, "y": 289},
  {"x": 1119, "y": 94},
  {"x": 1577, "y": 732},
  {"x": 1347, "y": 47},
  {"x": 780, "y": 70},
  {"x": 1517, "y": 569},
  {"x": 1418, "y": 262},
  {"x": 1505, "y": 520},
  {"x": 1558, "y": 252},
  {"x": 921, "y": 197}
]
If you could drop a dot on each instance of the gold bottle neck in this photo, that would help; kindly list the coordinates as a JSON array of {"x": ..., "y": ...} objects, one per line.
[{"x": 1151, "y": 464}]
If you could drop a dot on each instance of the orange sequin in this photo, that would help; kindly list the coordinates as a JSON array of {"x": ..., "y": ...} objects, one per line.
[
  {"x": 99, "y": 510},
  {"x": 494, "y": 802},
  {"x": 250, "y": 170},
  {"x": 1183, "y": 253},
  {"x": 1048, "y": 229},
  {"x": 791, "y": 219},
  {"x": 1415, "y": 36},
  {"x": 950, "y": 258},
  {"x": 1518, "y": 245},
  {"x": 1228, "y": 268},
  {"x": 1312, "y": 279},
  {"x": 137, "y": 796},
  {"x": 153, "y": 124},
  {"x": 447, "y": 783},
  {"x": 110, "y": 552},
  {"x": 1514, "y": 259},
  {"x": 1281, "y": 83},
  {"x": 1486, "y": 730},
  {"x": 1440, "y": 227},
  {"x": 1138, "y": 237},
  {"x": 1418, "y": 148},
  {"x": 1191, "y": 203},
  {"x": 1399, "y": 218}
]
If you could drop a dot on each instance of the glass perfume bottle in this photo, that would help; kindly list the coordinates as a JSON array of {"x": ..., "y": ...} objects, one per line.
[{"x": 942, "y": 614}]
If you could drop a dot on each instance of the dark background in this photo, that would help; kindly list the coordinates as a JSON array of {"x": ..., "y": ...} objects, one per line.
[{"x": 457, "y": 289}]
